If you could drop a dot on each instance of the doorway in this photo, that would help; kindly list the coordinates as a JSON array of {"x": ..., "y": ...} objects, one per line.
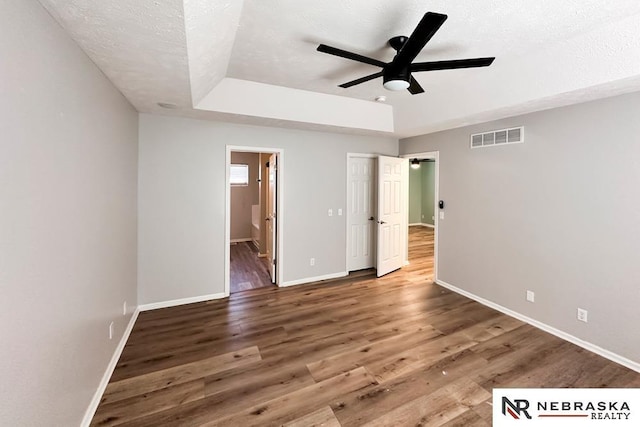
[
  {"x": 424, "y": 213},
  {"x": 376, "y": 212},
  {"x": 253, "y": 218}
]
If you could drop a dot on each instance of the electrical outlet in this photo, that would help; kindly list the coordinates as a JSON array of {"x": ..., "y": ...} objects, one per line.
[
  {"x": 582, "y": 315},
  {"x": 339, "y": 212},
  {"x": 433, "y": 217},
  {"x": 441, "y": 215},
  {"x": 124, "y": 308},
  {"x": 531, "y": 296},
  {"x": 312, "y": 262},
  {"x": 422, "y": 216},
  {"x": 330, "y": 212},
  {"x": 111, "y": 330}
]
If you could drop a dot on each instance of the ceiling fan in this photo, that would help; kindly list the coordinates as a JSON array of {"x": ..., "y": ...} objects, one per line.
[{"x": 397, "y": 73}]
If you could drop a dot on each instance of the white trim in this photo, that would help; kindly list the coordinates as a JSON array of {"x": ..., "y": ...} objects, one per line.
[
  {"x": 97, "y": 396},
  {"x": 363, "y": 155},
  {"x": 421, "y": 224},
  {"x": 436, "y": 194},
  {"x": 550, "y": 329},
  {"x": 181, "y": 301},
  {"x": 314, "y": 279},
  {"x": 241, "y": 240},
  {"x": 279, "y": 210}
]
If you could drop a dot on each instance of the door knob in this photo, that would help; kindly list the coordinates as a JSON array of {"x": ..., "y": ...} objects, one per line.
[
  {"x": 267, "y": 219},
  {"x": 371, "y": 219},
  {"x": 381, "y": 222}
]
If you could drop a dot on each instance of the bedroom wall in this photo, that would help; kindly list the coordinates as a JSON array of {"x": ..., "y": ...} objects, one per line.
[
  {"x": 558, "y": 215},
  {"x": 182, "y": 201},
  {"x": 68, "y": 182}
]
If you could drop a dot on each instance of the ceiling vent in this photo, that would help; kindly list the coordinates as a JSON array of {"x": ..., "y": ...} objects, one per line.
[{"x": 498, "y": 137}]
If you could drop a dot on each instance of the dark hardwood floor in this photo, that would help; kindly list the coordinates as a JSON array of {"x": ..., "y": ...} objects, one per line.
[
  {"x": 393, "y": 351},
  {"x": 247, "y": 271}
]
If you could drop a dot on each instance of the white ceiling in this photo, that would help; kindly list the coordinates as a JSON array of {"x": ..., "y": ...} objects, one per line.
[{"x": 548, "y": 53}]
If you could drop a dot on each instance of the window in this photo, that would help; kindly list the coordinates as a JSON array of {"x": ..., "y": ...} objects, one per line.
[{"x": 239, "y": 175}]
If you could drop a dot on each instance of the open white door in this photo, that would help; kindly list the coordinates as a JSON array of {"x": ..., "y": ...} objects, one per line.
[
  {"x": 272, "y": 219},
  {"x": 393, "y": 176}
]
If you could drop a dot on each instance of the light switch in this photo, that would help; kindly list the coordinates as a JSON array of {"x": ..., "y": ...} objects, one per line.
[
  {"x": 330, "y": 212},
  {"x": 339, "y": 212},
  {"x": 441, "y": 215}
]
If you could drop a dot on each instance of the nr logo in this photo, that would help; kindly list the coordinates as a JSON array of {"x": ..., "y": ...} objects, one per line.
[{"x": 516, "y": 409}]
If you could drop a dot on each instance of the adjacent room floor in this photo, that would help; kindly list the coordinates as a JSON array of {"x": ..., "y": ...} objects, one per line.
[
  {"x": 247, "y": 270},
  {"x": 394, "y": 351}
]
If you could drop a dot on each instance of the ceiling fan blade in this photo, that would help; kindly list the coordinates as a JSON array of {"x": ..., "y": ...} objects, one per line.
[
  {"x": 414, "y": 87},
  {"x": 361, "y": 80},
  {"x": 429, "y": 24},
  {"x": 450, "y": 65},
  {"x": 349, "y": 55}
]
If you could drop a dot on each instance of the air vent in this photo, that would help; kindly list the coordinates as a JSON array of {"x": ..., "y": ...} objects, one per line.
[{"x": 497, "y": 137}]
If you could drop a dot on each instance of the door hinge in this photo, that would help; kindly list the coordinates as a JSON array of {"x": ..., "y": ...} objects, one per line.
[{"x": 274, "y": 261}]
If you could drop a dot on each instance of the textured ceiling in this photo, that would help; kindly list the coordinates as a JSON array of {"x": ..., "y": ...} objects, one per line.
[{"x": 548, "y": 52}]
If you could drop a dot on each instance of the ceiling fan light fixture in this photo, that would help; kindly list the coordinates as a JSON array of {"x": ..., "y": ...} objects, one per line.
[
  {"x": 396, "y": 84},
  {"x": 415, "y": 164}
]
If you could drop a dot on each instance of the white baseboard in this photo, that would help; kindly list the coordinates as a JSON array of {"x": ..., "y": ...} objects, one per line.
[
  {"x": 422, "y": 224},
  {"x": 173, "y": 303},
  {"x": 249, "y": 239},
  {"x": 550, "y": 329},
  {"x": 314, "y": 279},
  {"x": 93, "y": 406}
]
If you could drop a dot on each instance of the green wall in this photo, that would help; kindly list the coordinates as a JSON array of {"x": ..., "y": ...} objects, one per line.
[
  {"x": 415, "y": 195},
  {"x": 428, "y": 191},
  {"x": 421, "y": 193}
]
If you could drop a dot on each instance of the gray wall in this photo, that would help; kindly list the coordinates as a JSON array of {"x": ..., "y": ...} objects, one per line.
[
  {"x": 68, "y": 155},
  {"x": 558, "y": 215},
  {"x": 243, "y": 197},
  {"x": 182, "y": 201}
]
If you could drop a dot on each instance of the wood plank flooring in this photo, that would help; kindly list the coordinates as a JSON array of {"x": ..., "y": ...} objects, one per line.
[
  {"x": 393, "y": 351},
  {"x": 247, "y": 271}
]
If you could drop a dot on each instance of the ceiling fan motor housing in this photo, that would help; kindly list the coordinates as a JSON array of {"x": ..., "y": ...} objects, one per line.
[{"x": 391, "y": 72}]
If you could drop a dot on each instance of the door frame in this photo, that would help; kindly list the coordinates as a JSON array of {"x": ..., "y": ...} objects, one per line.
[
  {"x": 347, "y": 211},
  {"x": 279, "y": 211},
  {"x": 436, "y": 156}
]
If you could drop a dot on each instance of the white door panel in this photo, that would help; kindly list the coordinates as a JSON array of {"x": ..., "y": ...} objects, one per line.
[
  {"x": 361, "y": 228},
  {"x": 392, "y": 220}
]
